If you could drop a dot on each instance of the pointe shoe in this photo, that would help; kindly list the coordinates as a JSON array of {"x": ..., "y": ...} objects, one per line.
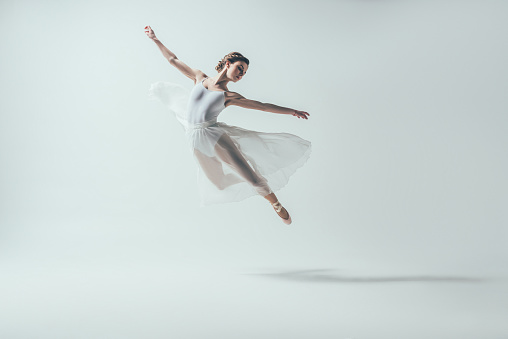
[{"x": 278, "y": 207}]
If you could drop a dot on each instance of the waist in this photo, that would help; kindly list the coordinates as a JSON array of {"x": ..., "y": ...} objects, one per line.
[{"x": 205, "y": 124}]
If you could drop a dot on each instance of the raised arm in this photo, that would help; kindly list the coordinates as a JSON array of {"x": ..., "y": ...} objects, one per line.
[
  {"x": 191, "y": 73},
  {"x": 241, "y": 101}
]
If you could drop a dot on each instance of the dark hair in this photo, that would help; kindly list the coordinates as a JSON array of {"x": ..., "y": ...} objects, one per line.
[{"x": 232, "y": 58}]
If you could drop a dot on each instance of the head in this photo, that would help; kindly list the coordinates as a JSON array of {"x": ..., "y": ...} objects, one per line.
[{"x": 234, "y": 64}]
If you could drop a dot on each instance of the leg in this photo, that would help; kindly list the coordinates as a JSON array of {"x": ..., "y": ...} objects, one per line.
[
  {"x": 213, "y": 171},
  {"x": 229, "y": 153},
  {"x": 271, "y": 198}
]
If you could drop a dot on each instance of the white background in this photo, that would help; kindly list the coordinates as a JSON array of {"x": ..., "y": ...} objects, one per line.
[{"x": 399, "y": 216}]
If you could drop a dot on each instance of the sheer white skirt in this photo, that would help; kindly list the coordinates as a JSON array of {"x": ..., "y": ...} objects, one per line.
[{"x": 235, "y": 163}]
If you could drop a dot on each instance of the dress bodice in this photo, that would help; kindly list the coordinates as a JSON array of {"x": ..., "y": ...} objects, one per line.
[{"x": 204, "y": 104}]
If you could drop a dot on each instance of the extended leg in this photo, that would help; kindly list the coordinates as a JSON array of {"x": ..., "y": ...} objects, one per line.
[{"x": 228, "y": 152}]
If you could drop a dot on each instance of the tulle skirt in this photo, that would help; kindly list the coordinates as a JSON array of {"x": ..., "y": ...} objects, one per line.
[{"x": 234, "y": 163}]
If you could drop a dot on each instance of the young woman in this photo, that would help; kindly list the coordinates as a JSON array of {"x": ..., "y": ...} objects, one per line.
[{"x": 234, "y": 163}]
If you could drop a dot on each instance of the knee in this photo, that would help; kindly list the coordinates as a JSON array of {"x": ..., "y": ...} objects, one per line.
[{"x": 220, "y": 186}]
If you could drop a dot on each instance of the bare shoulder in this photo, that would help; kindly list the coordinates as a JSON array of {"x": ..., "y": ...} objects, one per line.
[
  {"x": 231, "y": 98},
  {"x": 233, "y": 95},
  {"x": 200, "y": 75}
]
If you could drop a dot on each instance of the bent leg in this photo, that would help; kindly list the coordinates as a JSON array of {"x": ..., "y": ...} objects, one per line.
[{"x": 214, "y": 172}]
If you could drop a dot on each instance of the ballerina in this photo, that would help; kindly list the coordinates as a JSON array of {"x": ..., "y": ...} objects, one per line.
[{"x": 233, "y": 163}]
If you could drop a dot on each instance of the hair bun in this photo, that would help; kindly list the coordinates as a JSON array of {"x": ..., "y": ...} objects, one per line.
[{"x": 231, "y": 57}]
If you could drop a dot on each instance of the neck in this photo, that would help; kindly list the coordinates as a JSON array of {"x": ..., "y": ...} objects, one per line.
[{"x": 221, "y": 79}]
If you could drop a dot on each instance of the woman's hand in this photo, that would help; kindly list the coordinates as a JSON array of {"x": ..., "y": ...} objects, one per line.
[
  {"x": 149, "y": 32},
  {"x": 301, "y": 114}
]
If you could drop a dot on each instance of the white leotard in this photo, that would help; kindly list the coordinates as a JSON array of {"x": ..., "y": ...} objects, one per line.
[{"x": 204, "y": 105}]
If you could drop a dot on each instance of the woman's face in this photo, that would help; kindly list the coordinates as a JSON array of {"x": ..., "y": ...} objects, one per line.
[{"x": 237, "y": 70}]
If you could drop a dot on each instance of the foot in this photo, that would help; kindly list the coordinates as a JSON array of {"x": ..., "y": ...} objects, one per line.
[{"x": 282, "y": 212}]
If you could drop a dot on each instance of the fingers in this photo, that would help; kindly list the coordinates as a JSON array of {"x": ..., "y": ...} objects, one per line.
[
  {"x": 301, "y": 114},
  {"x": 149, "y": 32}
]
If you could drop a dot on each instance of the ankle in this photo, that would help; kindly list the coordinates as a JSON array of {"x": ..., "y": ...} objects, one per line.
[{"x": 271, "y": 198}]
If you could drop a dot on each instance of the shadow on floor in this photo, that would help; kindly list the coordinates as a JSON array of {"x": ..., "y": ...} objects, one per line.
[{"x": 326, "y": 276}]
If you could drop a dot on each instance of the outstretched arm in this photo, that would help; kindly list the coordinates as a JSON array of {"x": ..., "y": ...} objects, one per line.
[
  {"x": 239, "y": 100},
  {"x": 189, "y": 72}
]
